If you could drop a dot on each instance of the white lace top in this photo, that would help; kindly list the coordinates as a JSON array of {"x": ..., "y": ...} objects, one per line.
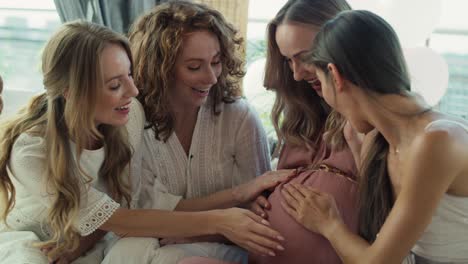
[
  {"x": 226, "y": 150},
  {"x": 34, "y": 199}
]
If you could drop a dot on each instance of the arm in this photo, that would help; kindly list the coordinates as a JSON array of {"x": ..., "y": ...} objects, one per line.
[
  {"x": 238, "y": 195},
  {"x": 155, "y": 195},
  {"x": 238, "y": 225},
  {"x": 430, "y": 167}
]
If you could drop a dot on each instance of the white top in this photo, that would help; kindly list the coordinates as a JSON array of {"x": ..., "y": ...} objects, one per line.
[
  {"x": 34, "y": 199},
  {"x": 446, "y": 237},
  {"x": 226, "y": 150}
]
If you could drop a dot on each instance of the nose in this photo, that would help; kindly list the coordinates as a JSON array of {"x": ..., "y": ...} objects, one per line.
[
  {"x": 298, "y": 70},
  {"x": 211, "y": 76},
  {"x": 132, "y": 90}
]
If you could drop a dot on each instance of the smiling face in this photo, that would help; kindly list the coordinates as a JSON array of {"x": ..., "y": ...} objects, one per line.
[
  {"x": 345, "y": 97},
  {"x": 112, "y": 105},
  {"x": 293, "y": 40},
  {"x": 196, "y": 69}
]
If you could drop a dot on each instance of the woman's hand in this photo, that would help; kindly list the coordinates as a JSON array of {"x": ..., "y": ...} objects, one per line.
[
  {"x": 249, "y": 231},
  {"x": 260, "y": 206},
  {"x": 249, "y": 191},
  {"x": 62, "y": 259},
  {"x": 316, "y": 211}
]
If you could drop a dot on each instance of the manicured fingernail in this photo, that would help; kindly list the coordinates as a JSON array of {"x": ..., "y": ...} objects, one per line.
[
  {"x": 263, "y": 215},
  {"x": 271, "y": 253},
  {"x": 265, "y": 222},
  {"x": 281, "y": 238},
  {"x": 280, "y": 247}
]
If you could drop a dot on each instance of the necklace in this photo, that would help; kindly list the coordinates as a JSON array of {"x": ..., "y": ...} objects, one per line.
[{"x": 394, "y": 150}]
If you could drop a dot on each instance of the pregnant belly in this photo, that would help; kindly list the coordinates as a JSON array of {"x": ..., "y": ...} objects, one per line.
[{"x": 301, "y": 245}]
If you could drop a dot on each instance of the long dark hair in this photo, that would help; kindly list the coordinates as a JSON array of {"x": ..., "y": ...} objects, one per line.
[
  {"x": 366, "y": 51},
  {"x": 298, "y": 113}
]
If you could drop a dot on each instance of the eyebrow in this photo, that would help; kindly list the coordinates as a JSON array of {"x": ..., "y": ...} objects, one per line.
[
  {"x": 113, "y": 78},
  {"x": 117, "y": 76},
  {"x": 299, "y": 53},
  {"x": 199, "y": 59}
]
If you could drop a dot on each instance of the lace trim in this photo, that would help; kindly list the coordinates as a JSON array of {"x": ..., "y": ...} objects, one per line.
[{"x": 99, "y": 215}]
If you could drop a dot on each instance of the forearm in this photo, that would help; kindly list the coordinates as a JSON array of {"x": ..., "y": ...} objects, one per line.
[
  {"x": 351, "y": 248},
  {"x": 212, "y": 238},
  {"x": 219, "y": 200},
  {"x": 159, "y": 223}
]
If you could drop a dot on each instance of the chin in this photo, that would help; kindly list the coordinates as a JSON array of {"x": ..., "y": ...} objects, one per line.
[
  {"x": 364, "y": 128},
  {"x": 117, "y": 123}
]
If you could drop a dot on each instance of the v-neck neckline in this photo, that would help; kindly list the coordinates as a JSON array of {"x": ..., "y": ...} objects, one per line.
[{"x": 179, "y": 148}]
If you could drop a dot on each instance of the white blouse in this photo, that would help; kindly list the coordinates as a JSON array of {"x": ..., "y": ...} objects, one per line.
[
  {"x": 226, "y": 150},
  {"x": 34, "y": 196}
]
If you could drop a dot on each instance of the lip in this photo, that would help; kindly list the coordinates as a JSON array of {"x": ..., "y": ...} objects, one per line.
[
  {"x": 315, "y": 83},
  {"x": 125, "y": 105},
  {"x": 201, "y": 92}
]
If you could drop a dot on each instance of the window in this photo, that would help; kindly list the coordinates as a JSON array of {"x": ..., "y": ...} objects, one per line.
[
  {"x": 260, "y": 13},
  {"x": 25, "y": 26}
]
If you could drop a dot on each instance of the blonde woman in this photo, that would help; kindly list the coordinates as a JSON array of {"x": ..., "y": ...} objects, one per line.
[{"x": 64, "y": 160}]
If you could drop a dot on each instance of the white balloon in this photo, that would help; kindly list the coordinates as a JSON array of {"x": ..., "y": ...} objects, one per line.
[
  {"x": 253, "y": 79},
  {"x": 375, "y": 6},
  {"x": 428, "y": 72},
  {"x": 413, "y": 20},
  {"x": 254, "y": 91}
]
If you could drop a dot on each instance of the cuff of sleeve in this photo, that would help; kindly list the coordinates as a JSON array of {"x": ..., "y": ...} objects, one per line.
[{"x": 98, "y": 216}]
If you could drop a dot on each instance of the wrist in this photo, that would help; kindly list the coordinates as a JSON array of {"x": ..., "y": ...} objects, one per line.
[
  {"x": 237, "y": 194},
  {"x": 332, "y": 229},
  {"x": 215, "y": 224}
]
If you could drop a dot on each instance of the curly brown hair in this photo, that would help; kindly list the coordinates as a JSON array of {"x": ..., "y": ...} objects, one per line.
[{"x": 156, "y": 40}]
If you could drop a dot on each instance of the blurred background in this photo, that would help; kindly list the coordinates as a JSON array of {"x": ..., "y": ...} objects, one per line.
[{"x": 434, "y": 34}]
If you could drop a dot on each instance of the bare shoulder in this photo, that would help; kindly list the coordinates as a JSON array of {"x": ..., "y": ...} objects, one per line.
[
  {"x": 440, "y": 151},
  {"x": 450, "y": 135}
]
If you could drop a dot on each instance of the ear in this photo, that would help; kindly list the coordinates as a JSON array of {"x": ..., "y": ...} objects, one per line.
[
  {"x": 336, "y": 77},
  {"x": 65, "y": 94}
]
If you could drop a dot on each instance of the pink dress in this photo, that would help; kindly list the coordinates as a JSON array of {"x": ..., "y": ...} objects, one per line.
[
  {"x": 337, "y": 177},
  {"x": 303, "y": 246}
]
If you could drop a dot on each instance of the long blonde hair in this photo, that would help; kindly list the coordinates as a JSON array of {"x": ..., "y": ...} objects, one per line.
[
  {"x": 299, "y": 115},
  {"x": 157, "y": 38},
  {"x": 70, "y": 64}
]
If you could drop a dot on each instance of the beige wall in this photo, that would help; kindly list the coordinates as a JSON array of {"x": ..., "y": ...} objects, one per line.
[{"x": 235, "y": 11}]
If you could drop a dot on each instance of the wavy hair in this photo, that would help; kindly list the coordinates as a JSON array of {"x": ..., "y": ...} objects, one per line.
[
  {"x": 71, "y": 64},
  {"x": 299, "y": 115},
  {"x": 156, "y": 40}
]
